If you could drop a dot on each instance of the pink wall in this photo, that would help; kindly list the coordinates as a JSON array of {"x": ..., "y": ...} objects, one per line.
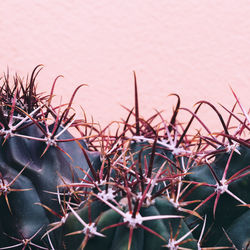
[{"x": 194, "y": 48}]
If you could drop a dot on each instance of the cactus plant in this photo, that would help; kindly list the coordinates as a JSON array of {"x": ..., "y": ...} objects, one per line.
[
  {"x": 152, "y": 185},
  {"x": 37, "y": 154}
]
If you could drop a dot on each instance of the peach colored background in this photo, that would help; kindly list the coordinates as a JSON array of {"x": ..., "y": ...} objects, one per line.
[{"x": 193, "y": 48}]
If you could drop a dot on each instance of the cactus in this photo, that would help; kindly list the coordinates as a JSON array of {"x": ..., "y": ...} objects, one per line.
[
  {"x": 37, "y": 154},
  {"x": 152, "y": 185}
]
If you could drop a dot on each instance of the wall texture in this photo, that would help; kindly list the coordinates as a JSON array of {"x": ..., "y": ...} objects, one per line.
[{"x": 193, "y": 48}]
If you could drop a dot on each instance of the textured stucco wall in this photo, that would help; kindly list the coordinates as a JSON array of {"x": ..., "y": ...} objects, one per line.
[{"x": 194, "y": 48}]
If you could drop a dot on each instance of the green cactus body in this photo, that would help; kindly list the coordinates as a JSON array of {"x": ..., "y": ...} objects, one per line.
[
  {"x": 228, "y": 209},
  {"x": 40, "y": 175},
  {"x": 238, "y": 232},
  {"x": 118, "y": 237}
]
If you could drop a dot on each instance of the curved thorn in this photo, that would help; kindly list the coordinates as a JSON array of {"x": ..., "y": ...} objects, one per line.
[
  {"x": 219, "y": 115},
  {"x": 52, "y": 90},
  {"x": 31, "y": 85},
  {"x": 72, "y": 98},
  {"x": 136, "y": 106},
  {"x": 187, "y": 127},
  {"x": 173, "y": 119}
]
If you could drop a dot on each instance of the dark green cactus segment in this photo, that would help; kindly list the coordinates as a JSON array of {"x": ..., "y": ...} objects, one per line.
[
  {"x": 121, "y": 239},
  {"x": 41, "y": 175},
  {"x": 117, "y": 234},
  {"x": 176, "y": 227},
  {"x": 26, "y": 218},
  {"x": 238, "y": 232},
  {"x": 108, "y": 217},
  {"x": 90, "y": 215},
  {"x": 152, "y": 241},
  {"x": 97, "y": 208},
  {"x": 228, "y": 208}
]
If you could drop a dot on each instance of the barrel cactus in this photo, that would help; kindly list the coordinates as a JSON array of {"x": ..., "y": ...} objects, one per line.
[
  {"x": 37, "y": 154},
  {"x": 151, "y": 185}
]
